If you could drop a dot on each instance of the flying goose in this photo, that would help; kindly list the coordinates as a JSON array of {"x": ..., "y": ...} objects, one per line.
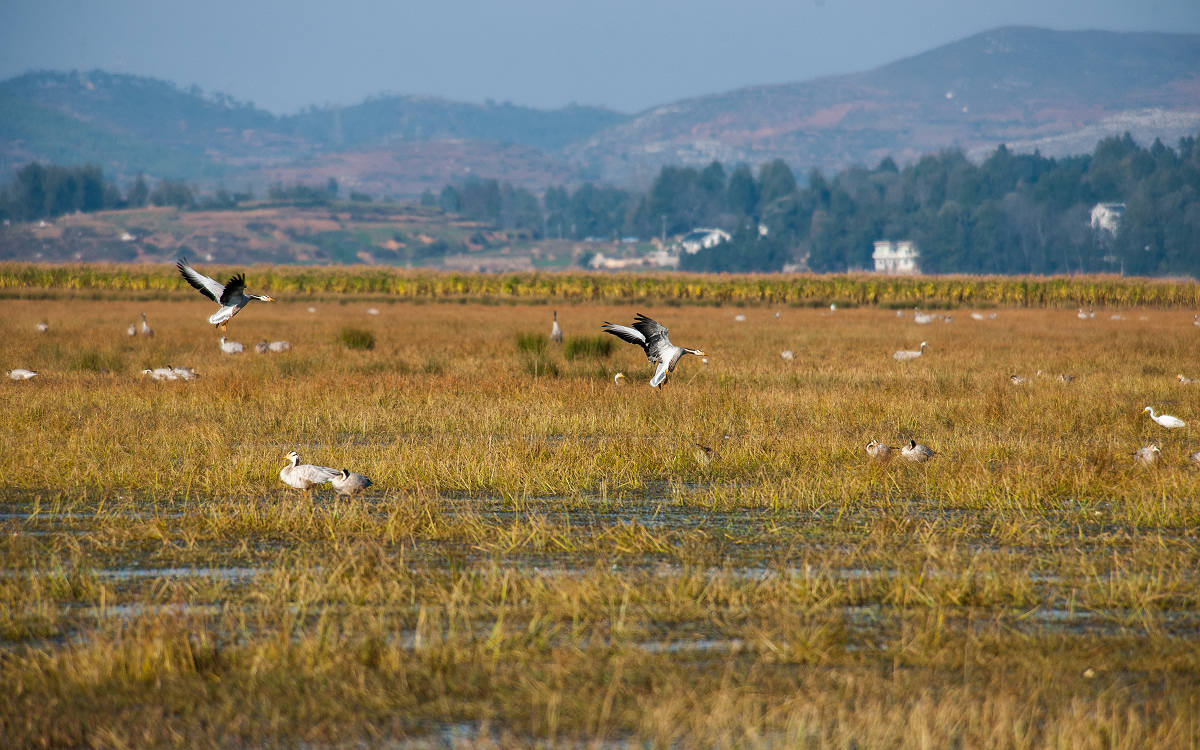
[
  {"x": 1166, "y": 420},
  {"x": 232, "y": 297},
  {"x": 146, "y": 329},
  {"x": 1147, "y": 456},
  {"x": 21, "y": 374},
  {"x": 916, "y": 452},
  {"x": 652, "y": 337},
  {"x": 305, "y": 476},
  {"x": 231, "y": 347},
  {"x": 881, "y": 452},
  {"x": 279, "y": 346},
  {"x": 905, "y": 355},
  {"x": 348, "y": 483},
  {"x": 555, "y": 331}
]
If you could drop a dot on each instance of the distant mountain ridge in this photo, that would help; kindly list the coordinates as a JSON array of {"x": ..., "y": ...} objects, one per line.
[{"x": 1058, "y": 91}]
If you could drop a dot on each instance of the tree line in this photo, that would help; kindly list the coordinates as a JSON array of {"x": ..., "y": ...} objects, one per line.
[{"x": 1010, "y": 213}]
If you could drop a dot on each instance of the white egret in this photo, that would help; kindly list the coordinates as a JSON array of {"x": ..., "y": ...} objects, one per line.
[{"x": 1166, "y": 420}]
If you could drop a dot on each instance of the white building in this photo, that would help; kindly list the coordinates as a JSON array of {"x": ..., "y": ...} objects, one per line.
[
  {"x": 1106, "y": 217},
  {"x": 702, "y": 238},
  {"x": 896, "y": 257}
]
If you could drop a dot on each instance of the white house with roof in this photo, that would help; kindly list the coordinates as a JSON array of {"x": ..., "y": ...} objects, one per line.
[
  {"x": 896, "y": 257},
  {"x": 702, "y": 238},
  {"x": 1106, "y": 217}
]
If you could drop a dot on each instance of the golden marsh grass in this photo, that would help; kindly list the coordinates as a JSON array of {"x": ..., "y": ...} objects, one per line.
[{"x": 544, "y": 560}]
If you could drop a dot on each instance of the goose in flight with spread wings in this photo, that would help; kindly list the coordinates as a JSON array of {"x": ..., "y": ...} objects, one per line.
[
  {"x": 652, "y": 337},
  {"x": 231, "y": 296}
]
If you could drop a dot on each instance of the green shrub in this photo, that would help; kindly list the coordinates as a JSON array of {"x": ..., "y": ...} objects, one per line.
[
  {"x": 599, "y": 346},
  {"x": 532, "y": 343},
  {"x": 357, "y": 338}
]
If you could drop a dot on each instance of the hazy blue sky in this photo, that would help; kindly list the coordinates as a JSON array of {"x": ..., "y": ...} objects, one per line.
[{"x": 626, "y": 54}]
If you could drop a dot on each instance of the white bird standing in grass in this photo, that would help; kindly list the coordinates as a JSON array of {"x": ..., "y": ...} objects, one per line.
[
  {"x": 231, "y": 347},
  {"x": 348, "y": 483},
  {"x": 881, "y": 452},
  {"x": 231, "y": 296},
  {"x": 1147, "y": 456},
  {"x": 146, "y": 329},
  {"x": 21, "y": 374},
  {"x": 1166, "y": 420},
  {"x": 904, "y": 355},
  {"x": 652, "y": 337},
  {"x": 555, "y": 331},
  {"x": 916, "y": 452},
  {"x": 305, "y": 476}
]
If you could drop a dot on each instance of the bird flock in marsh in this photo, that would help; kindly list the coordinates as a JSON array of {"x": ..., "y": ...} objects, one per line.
[{"x": 645, "y": 332}]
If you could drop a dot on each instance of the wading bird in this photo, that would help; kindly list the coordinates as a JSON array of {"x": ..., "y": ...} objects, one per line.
[
  {"x": 1166, "y": 420},
  {"x": 232, "y": 296},
  {"x": 348, "y": 483},
  {"x": 905, "y": 355},
  {"x": 146, "y": 329},
  {"x": 555, "y": 331},
  {"x": 21, "y": 374},
  {"x": 231, "y": 347},
  {"x": 305, "y": 476},
  {"x": 652, "y": 337},
  {"x": 916, "y": 452},
  {"x": 879, "y": 451},
  {"x": 1147, "y": 456}
]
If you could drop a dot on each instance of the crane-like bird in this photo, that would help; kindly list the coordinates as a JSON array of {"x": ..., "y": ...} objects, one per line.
[
  {"x": 555, "y": 331},
  {"x": 232, "y": 296},
  {"x": 652, "y": 337}
]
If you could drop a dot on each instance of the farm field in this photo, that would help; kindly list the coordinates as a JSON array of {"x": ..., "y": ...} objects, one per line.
[{"x": 546, "y": 557}]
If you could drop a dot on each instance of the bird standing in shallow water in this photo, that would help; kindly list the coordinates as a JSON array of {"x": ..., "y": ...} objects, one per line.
[
  {"x": 232, "y": 296},
  {"x": 1166, "y": 420},
  {"x": 652, "y": 337}
]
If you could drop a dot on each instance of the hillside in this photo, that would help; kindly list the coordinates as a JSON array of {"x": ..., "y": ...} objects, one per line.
[
  {"x": 1031, "y": 88},
  {"x": 1056, "y": 91}
]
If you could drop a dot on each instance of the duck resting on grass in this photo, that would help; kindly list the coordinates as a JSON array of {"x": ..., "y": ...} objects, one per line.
[
  {"x": 652, "y": 337},
  {"x": 231, "y": 296},
  {"x": 305, "y": 476}
]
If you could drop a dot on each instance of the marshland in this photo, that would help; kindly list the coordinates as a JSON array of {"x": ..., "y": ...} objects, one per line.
[{"x": 549, "y": 558}]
